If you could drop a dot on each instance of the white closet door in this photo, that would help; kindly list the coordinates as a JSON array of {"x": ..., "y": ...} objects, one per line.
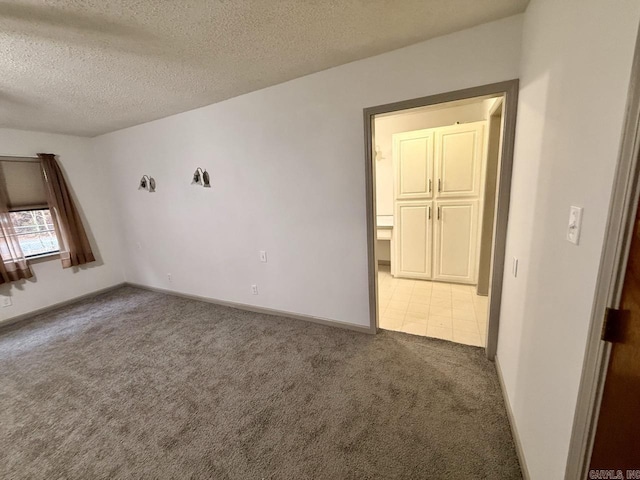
[
  {"x": 413, "y": 163},
  {"x": 413, "y": 239},
  {"x": 459, "y": 160},
  {"x": 456, "y": 240}
]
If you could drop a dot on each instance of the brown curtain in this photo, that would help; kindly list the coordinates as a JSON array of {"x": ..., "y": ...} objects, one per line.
[
  {"x": 13, "y": 265},
  {"x": 74, "y": 245}
]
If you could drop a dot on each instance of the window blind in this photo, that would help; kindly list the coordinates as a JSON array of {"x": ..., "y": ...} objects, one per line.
[{"x": 24, "y": 184}]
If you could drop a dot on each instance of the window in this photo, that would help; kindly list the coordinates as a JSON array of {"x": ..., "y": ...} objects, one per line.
[
  {"x": 35, "y": 232},
  {"x": 26, "y": 196}
]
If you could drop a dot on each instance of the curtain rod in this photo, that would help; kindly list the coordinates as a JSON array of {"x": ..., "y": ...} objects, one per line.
[{"x": 16, "y": 158}]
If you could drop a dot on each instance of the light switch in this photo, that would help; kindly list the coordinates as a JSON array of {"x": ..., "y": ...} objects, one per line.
[
  {"x": 263, "y": 256},
  {"x": 575, "y": 224}
]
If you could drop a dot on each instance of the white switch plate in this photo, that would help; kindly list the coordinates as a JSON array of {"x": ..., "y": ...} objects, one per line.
[
  {"x": 514, "y": 267},
  {"x": 6, "y": 301},
  {"x": 575, "y": 224},
  {"x": 263, "y": 256},
  {"x": 254, "y": 289}
]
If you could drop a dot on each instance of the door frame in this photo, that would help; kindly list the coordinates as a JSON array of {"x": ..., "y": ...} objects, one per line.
[
  {"x": 613, "y": 264},
  {"x": 498, "y": 106},
  {"x": 507, "y": 88}
]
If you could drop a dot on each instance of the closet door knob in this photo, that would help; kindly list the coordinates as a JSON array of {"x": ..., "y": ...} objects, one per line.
[
  {"x": 438, "y": 213},
  {"x": 429, "y": 213},
  {"x": 429, "y": 185},
  {"x": 439, "y": 185}
]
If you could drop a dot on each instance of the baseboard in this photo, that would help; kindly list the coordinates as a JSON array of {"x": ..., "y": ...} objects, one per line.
[
  {"x": 512, "y": 422},
  {"x": 26, "y": 316},
  {"x": 252, "y": 308}
]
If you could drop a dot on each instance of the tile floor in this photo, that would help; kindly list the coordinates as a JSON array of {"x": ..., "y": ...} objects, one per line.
[{"x": 432, "y": 309}]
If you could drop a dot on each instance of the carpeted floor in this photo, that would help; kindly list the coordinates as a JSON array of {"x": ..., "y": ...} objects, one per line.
[{"x": 135, "y": 384}]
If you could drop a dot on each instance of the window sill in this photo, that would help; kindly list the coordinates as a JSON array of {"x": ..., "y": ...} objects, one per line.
[{"x": 44, "y": 257}]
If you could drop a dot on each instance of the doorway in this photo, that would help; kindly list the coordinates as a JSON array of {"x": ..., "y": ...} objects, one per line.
[{"x": 438, "y": 179}]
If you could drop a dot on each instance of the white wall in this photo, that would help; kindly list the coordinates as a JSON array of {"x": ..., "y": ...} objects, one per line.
[
  {"x": 383, "y": 250},
  {"x": 416, "y": 119},
  {"x": 576, "y": 60},
  {"x": 86, "y": 177},
  {"x": 287, "y": 166}
]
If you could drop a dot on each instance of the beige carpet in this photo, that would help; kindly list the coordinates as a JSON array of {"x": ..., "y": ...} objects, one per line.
[{"x": 134, "y": 384}]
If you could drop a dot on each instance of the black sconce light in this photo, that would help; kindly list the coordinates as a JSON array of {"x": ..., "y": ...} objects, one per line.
[
  {"x": 147, "y": 183},
  {"x": 201, "y": 177}
]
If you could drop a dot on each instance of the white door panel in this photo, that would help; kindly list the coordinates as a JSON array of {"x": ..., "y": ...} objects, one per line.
[
  {"x": 413, "y": 159},
  {"x": 459, "y": 160},
  {"x": 456, "y": 240},
  {"x": 413, "y": 239}
]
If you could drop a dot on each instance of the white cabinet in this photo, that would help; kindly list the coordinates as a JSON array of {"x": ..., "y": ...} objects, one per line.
[
  {"x": 459, "y": 160},
  {"x": 413, "y": 158},
  {"x": 456, "y": 240},
  {"x": 413, "y": 237},
  {"x": 437, "y": 202}
]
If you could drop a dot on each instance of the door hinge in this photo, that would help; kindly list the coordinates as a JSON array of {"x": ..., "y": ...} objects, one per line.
[{"x": 612, "y": 325}]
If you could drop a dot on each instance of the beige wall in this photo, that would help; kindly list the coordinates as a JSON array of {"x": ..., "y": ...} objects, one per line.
[
  {"x": 576, "y": 61},
  {"x": 288, "y": 177}
]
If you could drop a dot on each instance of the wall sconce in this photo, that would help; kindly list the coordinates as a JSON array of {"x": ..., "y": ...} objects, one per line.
[
  {"x": 201, "y": 177},
  {"x": 147, "y": 183}
]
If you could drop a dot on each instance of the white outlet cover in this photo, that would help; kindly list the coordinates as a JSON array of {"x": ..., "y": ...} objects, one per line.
[
  {"x": 254, "y": 289},
  {"x": 575, "y": 224},
  {"x": 263, "y": 256}
]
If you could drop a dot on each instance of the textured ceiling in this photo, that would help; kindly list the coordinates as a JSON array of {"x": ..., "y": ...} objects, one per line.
[{"x": 87, "y": 67}]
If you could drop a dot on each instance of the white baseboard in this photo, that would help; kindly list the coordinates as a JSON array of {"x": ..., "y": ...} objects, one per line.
[
  {"x": 264, "y": 310},
  {"x": 25, "y": 316},
  {"x": 512, "y": 422}
]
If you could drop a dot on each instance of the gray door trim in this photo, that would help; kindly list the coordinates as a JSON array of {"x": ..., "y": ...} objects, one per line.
[
  {"x": 510, "y": 91},
  {"x": 613, "y": 265}
]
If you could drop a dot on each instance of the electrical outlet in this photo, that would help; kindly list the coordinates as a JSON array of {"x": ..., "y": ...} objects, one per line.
[
  {"x": 254, "y": 289},
  {"x": 169, "y": 277},
  {"x": 6, "y": 301},
  {"x": 139, "y": 245},
  {"x": 263, "y": 256},
  {"x": 514, "y": 267}
]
